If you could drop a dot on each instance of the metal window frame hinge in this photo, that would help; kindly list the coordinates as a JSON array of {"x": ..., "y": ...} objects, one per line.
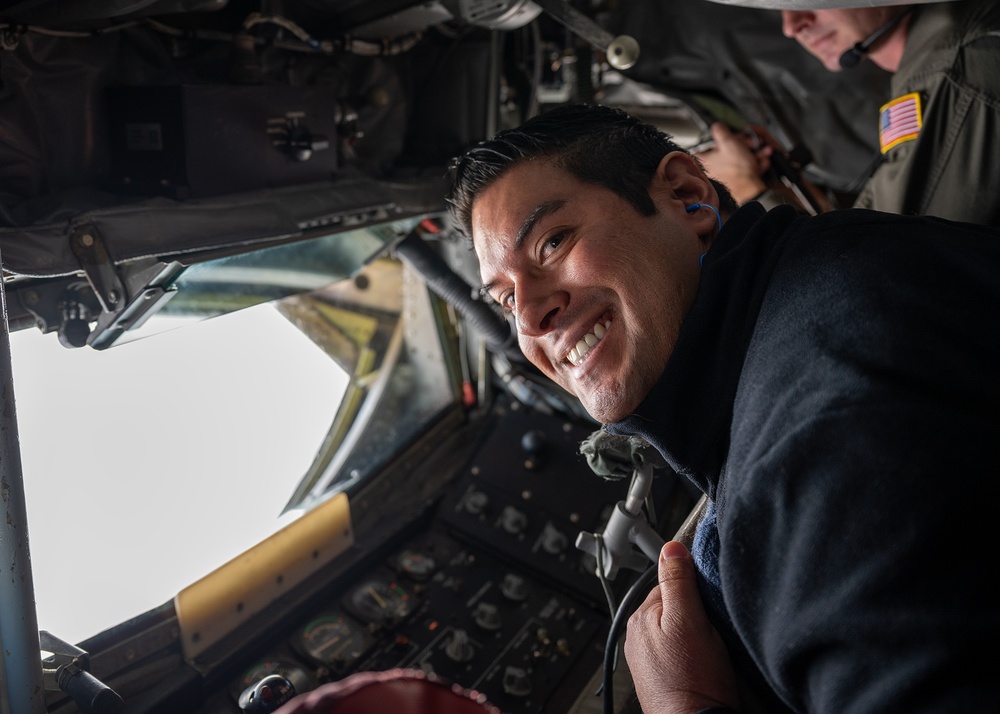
[{"x": 91, "y": 252}]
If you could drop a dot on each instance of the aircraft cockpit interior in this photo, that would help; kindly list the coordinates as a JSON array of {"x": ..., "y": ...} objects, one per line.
[{"x": 243, "y": 335}]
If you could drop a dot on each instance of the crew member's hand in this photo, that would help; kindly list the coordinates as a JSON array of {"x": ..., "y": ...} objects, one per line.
[
  {"x": 738, "y": 161},
  {"x": 678, "y": 662}
]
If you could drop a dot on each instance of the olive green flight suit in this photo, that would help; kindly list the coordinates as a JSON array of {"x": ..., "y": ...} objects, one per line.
[{"x": 952, "y": 168}]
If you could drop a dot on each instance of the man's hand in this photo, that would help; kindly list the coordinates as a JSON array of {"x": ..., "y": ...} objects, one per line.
[
  {"x": 738, "y": 161},
  {"x": 678, "y": 662}
]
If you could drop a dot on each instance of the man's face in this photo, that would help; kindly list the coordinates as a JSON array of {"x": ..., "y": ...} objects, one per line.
[
  {"x": 598, "y": 291},
  {"x": 827, "y": 34}
]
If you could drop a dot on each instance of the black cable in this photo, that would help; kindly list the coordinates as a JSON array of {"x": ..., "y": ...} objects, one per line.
[
  {"x": 637, "y": 592},
  {"x": 452, "y": 287},
  {"x": 608, "y": 594}
]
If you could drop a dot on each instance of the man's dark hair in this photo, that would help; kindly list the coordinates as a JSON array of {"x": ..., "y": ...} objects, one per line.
[{"x": 597, "y": 144}]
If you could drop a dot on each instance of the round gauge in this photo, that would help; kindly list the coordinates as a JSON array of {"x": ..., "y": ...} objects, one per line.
[
  {"x": 380, "y": 602},
  {"x": 302, "y": 681},
  {"x": 332, "y": 640},
  {"x": 415, "y": 564}
]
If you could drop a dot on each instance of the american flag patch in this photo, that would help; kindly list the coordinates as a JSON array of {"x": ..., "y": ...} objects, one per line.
[{"x": 899, "y": 120}]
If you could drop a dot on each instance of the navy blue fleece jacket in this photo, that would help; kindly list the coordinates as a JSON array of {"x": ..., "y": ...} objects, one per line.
[{"x": 835, "y": 390}]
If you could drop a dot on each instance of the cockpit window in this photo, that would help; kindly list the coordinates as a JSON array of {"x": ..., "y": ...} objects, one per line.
[
  {"x": 179, "y": 451},
  {"x": 170, "y": 455}
]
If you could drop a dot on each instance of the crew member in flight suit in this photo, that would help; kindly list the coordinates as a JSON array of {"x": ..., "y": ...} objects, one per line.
[{"x": 940, "y": 131}]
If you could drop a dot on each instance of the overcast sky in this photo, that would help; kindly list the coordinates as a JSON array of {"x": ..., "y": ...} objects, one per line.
[{"x": 149, "y": 464}]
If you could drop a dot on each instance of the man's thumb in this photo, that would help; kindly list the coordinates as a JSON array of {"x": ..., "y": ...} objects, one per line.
[{"x": 676, "y": 571}]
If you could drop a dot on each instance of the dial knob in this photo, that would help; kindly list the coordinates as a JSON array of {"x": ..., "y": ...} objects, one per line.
[{"x": 459, "y": 648}]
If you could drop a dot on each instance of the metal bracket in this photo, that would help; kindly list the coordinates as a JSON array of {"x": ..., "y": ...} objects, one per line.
[
  {"x": 622, "y": 51},
  {"x": 119, "y": 311},
  {"x": 67, "y": 670},
  {"x": 149, "y": 287},
  {"x": 290, "y": 134},
  {"x": 626, "y": 527},
  {"x": 87, "y": 245}
]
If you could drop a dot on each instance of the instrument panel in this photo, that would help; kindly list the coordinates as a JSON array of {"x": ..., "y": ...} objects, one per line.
[
  {"x": 488, "y": 592},
  {"x": 448, "y": 607}
]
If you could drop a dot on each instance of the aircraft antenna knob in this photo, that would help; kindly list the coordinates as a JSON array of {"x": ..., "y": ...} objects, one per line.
[{"x": 623, "y": 52}]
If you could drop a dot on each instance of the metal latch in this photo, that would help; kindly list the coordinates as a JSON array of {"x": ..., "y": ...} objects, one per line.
[{"x": 67, "y": 670}]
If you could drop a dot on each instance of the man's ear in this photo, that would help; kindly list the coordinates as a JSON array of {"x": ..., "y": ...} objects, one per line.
[{"x": 683, "y": 177}]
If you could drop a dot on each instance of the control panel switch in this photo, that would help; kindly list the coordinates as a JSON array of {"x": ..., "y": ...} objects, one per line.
[
  {"x": 516, "y": 682},
  {"x": 459, "y": 648}
]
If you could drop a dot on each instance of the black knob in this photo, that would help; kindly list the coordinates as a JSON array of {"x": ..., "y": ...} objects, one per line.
[
  {"x": 487, "y": 616},
  {"x": 459, "y": 648},
  {"x": 534, "y": 442},
  {"x": 475, "y": 502},
  {"x": 513, "y": 521},
  {"x": 514, "y": 588},
  {"x": 554, "y": 541},
  {"x": 516, "y": 682},
  {"x": 74, "y": 330},
  {"x": 90, "y": 694},
  {"x": 267, "y": 695},
  {"x": 74, "y": 333}
]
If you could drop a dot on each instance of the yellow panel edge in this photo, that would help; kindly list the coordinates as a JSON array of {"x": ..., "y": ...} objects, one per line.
[{"x": 213, "y": 606}]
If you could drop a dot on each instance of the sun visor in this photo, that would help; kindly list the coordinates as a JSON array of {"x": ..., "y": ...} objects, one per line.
[{"x": 160, "y": 226}]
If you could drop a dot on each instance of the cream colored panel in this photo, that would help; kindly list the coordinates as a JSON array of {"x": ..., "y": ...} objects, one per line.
[{"x": 229, "y": 596}]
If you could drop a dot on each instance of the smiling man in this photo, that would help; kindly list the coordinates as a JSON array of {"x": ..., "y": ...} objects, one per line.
[
  {"x": 609, "y": 343},
  {"x": 830, "y": 383}
]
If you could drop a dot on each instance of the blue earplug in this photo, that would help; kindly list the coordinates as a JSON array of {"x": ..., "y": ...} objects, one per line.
[{"x": 695, "y": 206}]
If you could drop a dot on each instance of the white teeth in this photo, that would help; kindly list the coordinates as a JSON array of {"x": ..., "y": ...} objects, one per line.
[{"x": 588, "y": 341}]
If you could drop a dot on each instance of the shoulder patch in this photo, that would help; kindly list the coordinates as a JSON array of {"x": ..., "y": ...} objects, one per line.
[{"x": 900, "y": 120}]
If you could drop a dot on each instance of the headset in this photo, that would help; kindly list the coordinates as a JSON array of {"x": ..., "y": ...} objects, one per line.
[{"x": 853, "y": 56}]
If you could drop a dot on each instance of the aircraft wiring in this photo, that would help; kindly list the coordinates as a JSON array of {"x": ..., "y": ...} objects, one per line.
[{"x": 10, "y": 33}]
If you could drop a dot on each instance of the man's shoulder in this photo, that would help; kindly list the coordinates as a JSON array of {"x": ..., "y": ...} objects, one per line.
[
  {"x": 856, "y": 250},
  {"x": 864, "y": 222},
  {"x": 861, "y": 231},
  {"x": 941, "y": 32},
  {"x": 955, "y": 23},
  {"x": 976, "y": 18},
  {"x": 854, "y": 226}
]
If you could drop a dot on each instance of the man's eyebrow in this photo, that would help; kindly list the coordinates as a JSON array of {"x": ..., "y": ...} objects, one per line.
[{"x": 540, "y": 211}]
